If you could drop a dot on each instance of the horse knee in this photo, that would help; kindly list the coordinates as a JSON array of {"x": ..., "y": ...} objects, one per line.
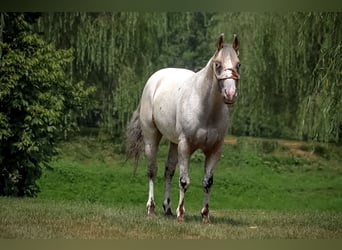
[
  {"x": 184, "y": 183},
  {"x": 207, "y": 183}
]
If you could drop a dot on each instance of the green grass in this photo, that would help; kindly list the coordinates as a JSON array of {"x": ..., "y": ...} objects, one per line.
[
  {"x": 262, "y": 189},
  {"x": 246, "y": 178},
  {"x": 42, "y": 219}
]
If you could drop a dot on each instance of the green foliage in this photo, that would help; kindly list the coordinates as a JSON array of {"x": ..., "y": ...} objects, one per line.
[
  {"x": 117, "y": 52},
  {"x": 291, "y": 74},
  {"x": 291, "y": 67},
  {"x": 114, "y": 52},
  {"x": 38, "y": 102}
]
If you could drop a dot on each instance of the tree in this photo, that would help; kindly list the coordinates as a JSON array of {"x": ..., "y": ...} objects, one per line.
[
  {"x": 37, "y": 103},
  {"x": 290, "y": 77},
  {"x": 117, "y": 52}
]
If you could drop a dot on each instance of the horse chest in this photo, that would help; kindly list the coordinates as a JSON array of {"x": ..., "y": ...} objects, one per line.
[
  {"x": 207, "y": 137},
  {"x": 204, "y": 130}
]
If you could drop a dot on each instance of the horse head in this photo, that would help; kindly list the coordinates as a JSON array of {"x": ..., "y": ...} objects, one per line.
[{"x": 226, "y": 67}]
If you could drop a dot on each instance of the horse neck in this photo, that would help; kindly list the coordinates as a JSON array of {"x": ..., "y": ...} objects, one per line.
[{"x": 209, "y": 90}]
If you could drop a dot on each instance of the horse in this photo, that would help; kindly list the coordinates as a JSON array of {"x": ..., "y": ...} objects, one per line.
[{"x": 191, "y": 111}]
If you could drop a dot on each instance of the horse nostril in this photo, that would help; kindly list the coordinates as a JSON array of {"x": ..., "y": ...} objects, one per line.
[
  {"x": 226, "y": 92},
  {"x": 232, "y": 92}
]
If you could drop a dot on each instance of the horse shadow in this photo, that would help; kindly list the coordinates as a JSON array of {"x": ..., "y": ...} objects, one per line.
[{"x": 214, "y": 219}]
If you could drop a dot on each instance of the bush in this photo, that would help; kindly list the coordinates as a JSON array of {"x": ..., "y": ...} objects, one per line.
[{"x": 37, "y": 103}]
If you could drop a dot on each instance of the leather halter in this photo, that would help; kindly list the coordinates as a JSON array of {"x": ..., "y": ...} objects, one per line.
[{"x": 235, "y": 75}]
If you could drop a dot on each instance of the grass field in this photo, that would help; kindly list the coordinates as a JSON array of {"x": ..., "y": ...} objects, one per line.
[
  {"x": 42, "y": 219},
  {"x": 262, "y": 189}
]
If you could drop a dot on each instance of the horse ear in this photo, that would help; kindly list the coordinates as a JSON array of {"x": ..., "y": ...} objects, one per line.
[
  {"x": 220, "y": 42},
  {"x": 236, "y": 44}
]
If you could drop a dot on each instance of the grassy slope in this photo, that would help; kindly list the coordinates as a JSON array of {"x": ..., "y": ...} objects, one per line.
[
  {"x": 262, "y": 189},
  {"x": 251, "y": 174}
]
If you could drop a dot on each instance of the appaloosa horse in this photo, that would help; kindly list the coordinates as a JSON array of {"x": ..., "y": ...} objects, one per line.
[{"x": 191, "y": 111}]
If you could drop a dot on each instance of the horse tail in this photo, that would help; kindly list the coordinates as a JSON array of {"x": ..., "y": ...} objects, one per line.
[{"x": 134, "y": 138}]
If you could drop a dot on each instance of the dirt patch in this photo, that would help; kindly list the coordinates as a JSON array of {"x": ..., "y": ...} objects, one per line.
[
  {"x": 230, "y": 140},
  {"x": 294, "y": 147},
  {"x": 304, "y": 154}
]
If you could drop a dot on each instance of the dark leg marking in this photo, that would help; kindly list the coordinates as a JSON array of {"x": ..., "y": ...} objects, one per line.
[
  {"x": 151, "y": 208},
  {"x": 183, "y": 184},
  {"x": 208, "y": 183},
  {"x": 180, "y": 216},
  {"x": 205, "y": 212}
]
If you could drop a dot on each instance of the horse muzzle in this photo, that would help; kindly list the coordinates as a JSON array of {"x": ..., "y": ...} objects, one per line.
[
  {"x": 229, "y": 98},
  {"x": 228, "y": 90}
]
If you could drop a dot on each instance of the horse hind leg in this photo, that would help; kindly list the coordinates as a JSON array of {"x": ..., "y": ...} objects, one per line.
[
  {"x": 170, "y": 167},
  {"x": 151, "y": 149},
  {"x": 184, "y": 153}
]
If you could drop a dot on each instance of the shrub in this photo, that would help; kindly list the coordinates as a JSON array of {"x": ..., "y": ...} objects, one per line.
[{"x": 37, "y": 102}]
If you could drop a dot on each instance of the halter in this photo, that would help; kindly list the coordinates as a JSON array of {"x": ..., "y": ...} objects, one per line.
[{"x": 235, "y": 75}]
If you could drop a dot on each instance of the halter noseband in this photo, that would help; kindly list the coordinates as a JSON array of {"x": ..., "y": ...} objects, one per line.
[{"x": 235, "y": 75}]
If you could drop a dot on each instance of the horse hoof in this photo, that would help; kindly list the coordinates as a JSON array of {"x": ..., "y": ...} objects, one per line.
[
  {"x": 150, "y": 216},
  {"x": 205, "y": 217},
  {"x": 205, "y": 220},
  {"x": 168, "y": 212},
  {"x": 180, "y": 219}
]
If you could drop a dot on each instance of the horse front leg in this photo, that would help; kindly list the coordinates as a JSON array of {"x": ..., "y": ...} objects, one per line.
[
  {"x": 208, "y": 180},
  {"x": 184, "y": 180}
]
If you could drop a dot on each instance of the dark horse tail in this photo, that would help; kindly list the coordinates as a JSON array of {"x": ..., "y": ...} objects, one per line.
[{"x": 134, "y": 138}]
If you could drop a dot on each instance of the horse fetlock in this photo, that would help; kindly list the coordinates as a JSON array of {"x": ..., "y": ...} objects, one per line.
[
  {"x": 168, "y": 211},
  {"x": 205, "y": 214},
  {"x": 167, "y": 206},
  {"x": 180, "y": 213},
  {"x": 150, "y": 208}
]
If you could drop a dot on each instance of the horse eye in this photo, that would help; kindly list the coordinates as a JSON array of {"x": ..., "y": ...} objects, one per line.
[
  {"x": 238, "y": 65},
  {"x": 217, "y": 65}
]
